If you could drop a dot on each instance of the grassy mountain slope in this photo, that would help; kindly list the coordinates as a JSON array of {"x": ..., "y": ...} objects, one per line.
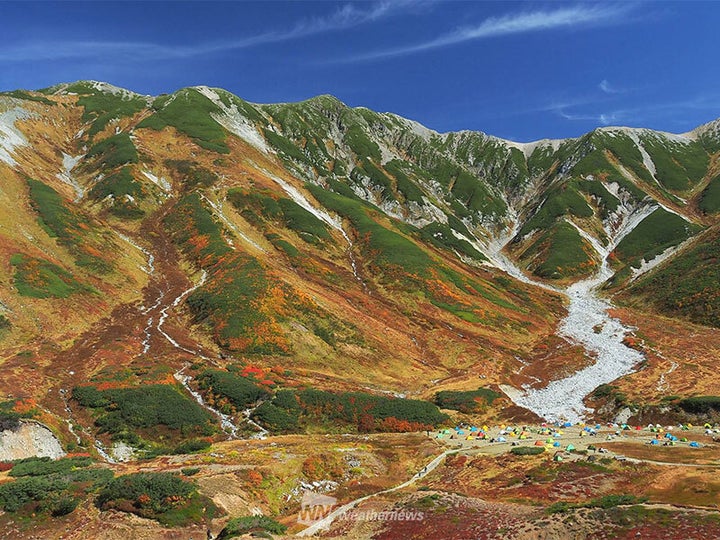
[{"x": 324, "y": 245}]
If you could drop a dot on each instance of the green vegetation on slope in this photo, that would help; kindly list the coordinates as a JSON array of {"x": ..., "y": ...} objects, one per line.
[
  {"x": 66, "y": 225},
  {"x": 560, "y": 252},
  {"x": 192, "y": 174},
  {"x": 22, "y": 94},
  {"x": 232, "y": 302},
  {"x": 466, "y": 401},
  {"x": 289, "y": 409},
  {"x": 195, "y": 230},
  {"x": 561, "y": 201},
  {"x": 114, "y": 151},
  {"x": 656, "y": 233},
  {"x": 50, "y": 487},
  {"x": 230, "y": 390},
  {"x": 103, "y": 106},
  {"x": 440, "y": 235},
  {"x": 686, "y": 286},
  {"x": 125, "y": 190},
  {"x": 710, "y": 198},
  {"x": 596, "y": 164},
  {"x": 191, "y": 113},
  {"x": 387, "y": 248},
  {"x": 39, "y": 278},
  {"x": 679, "y": 166},
  {"x": 123, "y": 410},
  {"x": 257, "y": 206},
  {"x": 164, "y": 497}
]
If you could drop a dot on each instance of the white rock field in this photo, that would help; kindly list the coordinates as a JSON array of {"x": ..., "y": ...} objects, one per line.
[{"x": 588, "y": 324}]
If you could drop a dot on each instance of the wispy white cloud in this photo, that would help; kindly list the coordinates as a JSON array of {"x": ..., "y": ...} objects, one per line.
[
  {"x": 643, "y": 113},
  {"x": 604, "y": 119},
  {"x": 609, "y": 88},
  {"x": 606, "y": 87},
  {"x": 348, "y": 16},
  {"x": 581, "y": 15}
]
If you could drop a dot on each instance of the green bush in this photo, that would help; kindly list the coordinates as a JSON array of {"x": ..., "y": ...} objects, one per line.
[
  {"x": 700, "y": 404},
  {"x": 190, "y": 471},
  {"x": 275, "y": 418},
  {"x": 44, "y": 466},
  {"x": 467, "y": 402},
  {"x": 9, "y": 420},
  {"x": 46, "y": 486},
  {"x": 241, "y": 526},
  {"x": 239, "y": 390},
  {"x": 162, "y": 496},
  {"x": 366, "y": 411},
  {"x": 144, "y": 408},
  {"x": 192, "y": 446},
  {"x": 527, "y": 450},
  {"x": 114, "y": 151},
  {"x": 63, "y": 506}
]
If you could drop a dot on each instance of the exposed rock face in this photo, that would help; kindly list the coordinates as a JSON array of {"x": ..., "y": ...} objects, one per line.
[{"x": 29, "y": 439}]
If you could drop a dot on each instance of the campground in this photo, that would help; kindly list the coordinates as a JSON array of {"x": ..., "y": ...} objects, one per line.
[{"x": 672, "y": 445}]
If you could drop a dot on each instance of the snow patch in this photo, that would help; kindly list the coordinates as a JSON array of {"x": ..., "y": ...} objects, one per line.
[
  {"x": 11, "y": 137},
  {"x": 646, "y": 266},
  {"x": 218, "y": 209},
  {"x": 234, "y": 121},
  {"x": 161, "y": 182},
  {"x": 66, "y": 176},
  {"x": 647, "y": 160}
]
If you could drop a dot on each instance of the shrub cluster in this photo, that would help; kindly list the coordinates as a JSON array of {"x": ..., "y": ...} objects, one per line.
[
  {"x": 366, "y": 411},
  {"x": 467, "y": 401},
  {"x": 144, "y": 407}
]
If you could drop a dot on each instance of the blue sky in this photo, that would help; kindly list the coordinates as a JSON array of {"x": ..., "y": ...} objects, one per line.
[{"x": 519, "y": 70}]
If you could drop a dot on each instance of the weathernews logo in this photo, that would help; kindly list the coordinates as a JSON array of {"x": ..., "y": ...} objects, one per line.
[{"x": 315, "y": 507}]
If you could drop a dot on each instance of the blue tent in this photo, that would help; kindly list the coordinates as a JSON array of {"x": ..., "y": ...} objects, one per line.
[
  {"x": 654, "y": 441},
  {"x": 556, "y": 443},
  {"x": 694, "y": 444},
  {"x": 473, "y": 428},
  {"x": 567, "y": 424}
]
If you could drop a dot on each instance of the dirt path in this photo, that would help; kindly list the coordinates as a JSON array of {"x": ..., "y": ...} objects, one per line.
[{"x": 328, "y": 520}]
